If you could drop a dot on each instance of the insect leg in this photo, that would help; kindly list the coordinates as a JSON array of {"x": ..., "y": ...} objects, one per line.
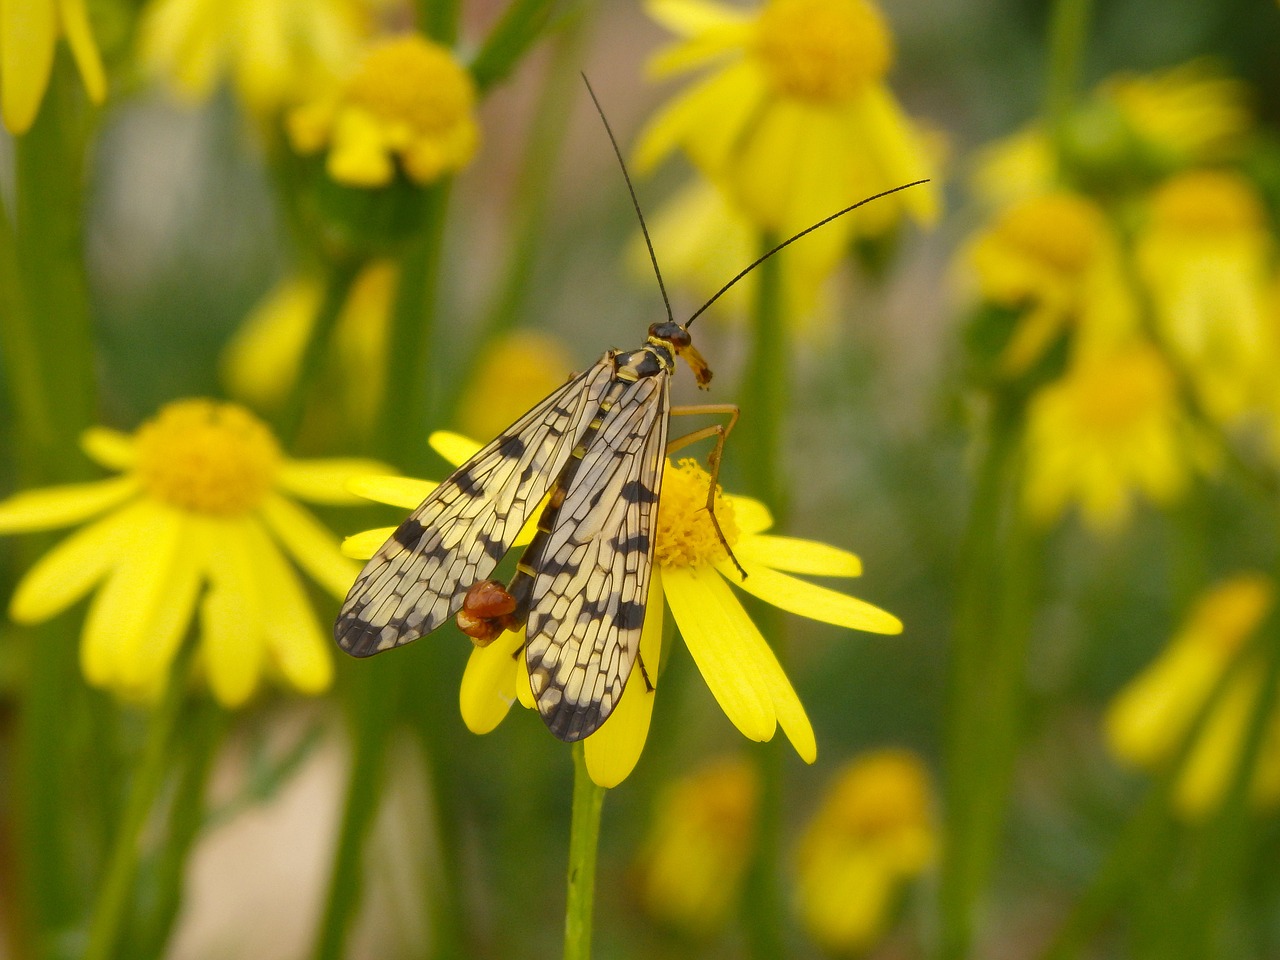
[{"x": 720, "y": 431}]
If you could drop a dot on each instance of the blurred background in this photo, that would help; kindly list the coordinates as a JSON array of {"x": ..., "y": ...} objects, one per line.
[{"x": 1039, "y": 403}]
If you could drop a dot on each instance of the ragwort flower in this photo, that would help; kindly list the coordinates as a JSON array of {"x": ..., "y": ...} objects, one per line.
[
  {"x": 1151, "y": 716},
  {"x": 29, "y": 31},
  {"x": 690, "y": 572},
  {"x": 274, "y": 51},
  {"x": 409, "y": 105},
  {"x": 873, "y": 831},
  {"x": 199, "y": 520},
  {"x": 794, "y": 120}
]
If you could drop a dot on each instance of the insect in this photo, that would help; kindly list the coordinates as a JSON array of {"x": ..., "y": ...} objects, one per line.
[{"x": 594, "y": 449}]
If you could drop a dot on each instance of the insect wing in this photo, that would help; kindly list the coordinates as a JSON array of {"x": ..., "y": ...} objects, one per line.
[
  {"x": 587, "y": 604},
  {"x": 419, "y": 577}
]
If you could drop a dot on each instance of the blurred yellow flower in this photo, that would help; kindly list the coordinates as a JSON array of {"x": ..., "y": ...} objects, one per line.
[
  {"x": 29, "y": 31},
  {"x": 197, "y": 520},
  {"x": 1151, "y": 716},
  {"x": 409, "y": 104},
  {"x": 690, "y": 571},
  {"x": 795, "y": 120},
  {"x": 274, "y": 51},
  {"x": 260, "y": 363},
  {"x": 1054, "y": 258},
  {"x": 873, "y": 831},
  {"x": 513, "y": 373},
  {"x": 1206, "y": 258},
  {"x": 1110, "y": 428},
  {"x": 691, "y": 867}
]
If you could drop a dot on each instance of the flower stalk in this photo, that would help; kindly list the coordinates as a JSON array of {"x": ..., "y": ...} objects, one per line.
[{"x": 584, "y": 838}]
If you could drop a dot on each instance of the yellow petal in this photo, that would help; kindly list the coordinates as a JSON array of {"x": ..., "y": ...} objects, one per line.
[
  {"x": 799, "y": 556},
  {"x": 84, "y": 49},
  {"x": 699, "y": 51},
  {"x": 454, "y": 447},
  {"x": 613, "y": 751},
  {"x": 72, "y": 568},
  {"x": 298, "y": 647},
  {"x": 719, "y": 635},
  {"x": 752, "y": 516},
  {"x": 62, "y": 506},
  {"x": 231, "y": 617},
  {"x": 707, "y": 120},
  {"x": 28, "y": 32},
  {"x": 489, "y": 683},
  {"x": 109, "y": 448},
  {"x": 786, "y": 704},
  {"x": 362, "y": 546},
  {"x": 125, "y": 605},
  {"x": 310, "y": 543},
  {"x": 689, "y": 17},
  {"x": 900, "y": 154},
  {"x": 810, "y": 600},
  {"x": 328, "y": 481},
  {"x": 403, "y": 492},
  {"x": 524, "y": 689}
]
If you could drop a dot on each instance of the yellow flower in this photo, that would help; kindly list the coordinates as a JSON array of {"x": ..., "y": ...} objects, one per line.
[
  {"x": 795, "y": 120},
  {"x": 690, "y": 571},
  {"x": 274, "y": 51},
  {"x": 873, "y": 830},
  {"x": 29, "y": 31},
  {"x": 513, "y": 374},
  {"x": 260, "y": 364},
  {"x": 409, "y": 103},
  {"x": 1150, "y": 717},
  {"x": 1109, "y": 428},
  {"x": 1205, "y": 256},
  {"x": 196, "y": 521},
  {"x": 691, "y": 867},
  {"x": 1054, "y": 258}
]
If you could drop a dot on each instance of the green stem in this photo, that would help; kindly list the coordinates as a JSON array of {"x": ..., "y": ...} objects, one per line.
[
  {"x": 1068, "y": 31},
  {"x": 584, "y": 838},
  {"x": 521, "y": 24},
  {"x": 337, "y": 289},
  {"x": 439, "y": 20},
  {"x": 114, "y": 897},
  {"x": 413, "y": 367}
]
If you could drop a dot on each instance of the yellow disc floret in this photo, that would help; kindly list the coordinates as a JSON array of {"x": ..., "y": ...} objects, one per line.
[
  {"x": 1059, "y": 231},
  {"x": 823, "y": 50},
  {"x": 686, "y": 536},
  {"x": 1207, "y": 202},
  {"x": 207, "y": 457}
]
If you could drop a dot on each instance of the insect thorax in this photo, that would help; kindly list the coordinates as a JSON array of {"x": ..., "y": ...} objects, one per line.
[{"x": 654, "y": 358}]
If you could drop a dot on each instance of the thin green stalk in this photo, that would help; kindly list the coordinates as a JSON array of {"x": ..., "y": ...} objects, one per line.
[
  {"x": 521, "y": 24},
  {"x": 337, "y": 289},
  {"x": 413, "y": 366},
  {"x": 111, "y": 911},
  {"x": 584, "y": 838},
  {"x": 439, "y": 20},
  {"x": 1068, "y": 32}
]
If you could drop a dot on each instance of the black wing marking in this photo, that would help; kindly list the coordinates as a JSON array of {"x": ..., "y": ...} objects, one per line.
[
  {"x": 419, "y": 577},
  {"x": 588, "y": 600}
]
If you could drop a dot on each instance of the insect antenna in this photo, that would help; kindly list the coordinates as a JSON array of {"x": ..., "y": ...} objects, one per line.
[
  {"x": 790, "y": 240},
  {"x": 635, "y": 202}
]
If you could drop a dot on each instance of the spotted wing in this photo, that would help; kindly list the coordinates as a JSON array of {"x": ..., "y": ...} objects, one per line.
[
  {"x": 588, "y": 599},
  {"x": 419, "y": 577}
]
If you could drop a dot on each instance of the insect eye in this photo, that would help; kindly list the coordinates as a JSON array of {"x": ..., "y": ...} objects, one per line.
[{"x": 673, "y": 333}]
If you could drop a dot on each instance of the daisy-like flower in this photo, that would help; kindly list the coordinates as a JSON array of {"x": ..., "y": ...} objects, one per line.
[
  {"x": 29, "y": 31},
  {"x": 794, "y": 120},
  {"x": 275, "y": 52},
  {"x": 409, "y": 105},
  {"x": 1149, "y": 718},
  {"x": 691, "y": 867},
  {"x": 1110, "y": 428},
  {"x": 873, "y": 831},
  {"x": 1054, "y": 258},
  {"x": 260, "y": 364},
  {"x": 692, "y": 573},
  {"x": 1205, "y": 256},
  {"x": 199, "y": 522}
]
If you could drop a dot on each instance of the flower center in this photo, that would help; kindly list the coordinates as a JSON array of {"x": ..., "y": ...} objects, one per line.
[
  {"x": 1062, "y": 231},
  {"x": 1127, "y": 390},
  {"x": 685, "y": 536},
  {"x": 1207, "y": 202},
  {"x": 207, "y": 457},
  {"x": 823, "y": 50},
  {"x": 415, "y": 84}
]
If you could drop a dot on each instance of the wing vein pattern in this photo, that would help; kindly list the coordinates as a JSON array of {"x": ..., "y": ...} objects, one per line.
[
  {"x": 587, "y": 604},
  {"x": 420, "y": 576}
]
